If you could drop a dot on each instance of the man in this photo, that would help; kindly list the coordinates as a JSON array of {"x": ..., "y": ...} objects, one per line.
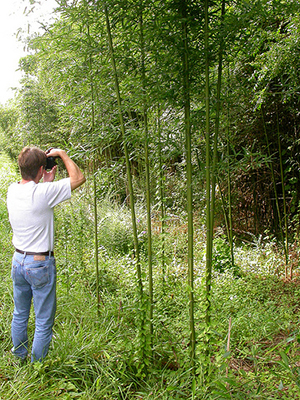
[{"x": 30, "y": 206}]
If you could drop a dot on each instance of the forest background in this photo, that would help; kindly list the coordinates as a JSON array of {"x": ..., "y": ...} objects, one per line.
[{"x": 179, "y": 259}]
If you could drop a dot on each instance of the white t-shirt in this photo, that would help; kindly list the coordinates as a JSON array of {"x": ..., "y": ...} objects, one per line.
[{"x": 31, "y": 215}]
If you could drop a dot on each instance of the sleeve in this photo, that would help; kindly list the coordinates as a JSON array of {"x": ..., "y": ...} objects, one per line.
[{"x": 57, "y": 192}]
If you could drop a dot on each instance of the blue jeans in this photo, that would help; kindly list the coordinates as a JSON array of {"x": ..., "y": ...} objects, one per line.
[{"x": 33, "y": 277}]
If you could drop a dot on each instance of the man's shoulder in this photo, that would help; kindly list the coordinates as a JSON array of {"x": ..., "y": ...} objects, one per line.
[
  {"x": 55, "y": 192},
  {"x": 56, "y": 185},
  {"x": 17, "y": 187},
  {"x": 11, "y": 188}
]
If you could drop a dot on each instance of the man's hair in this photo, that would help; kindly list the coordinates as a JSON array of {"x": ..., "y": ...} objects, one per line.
[{"x": 30, "y": 161}]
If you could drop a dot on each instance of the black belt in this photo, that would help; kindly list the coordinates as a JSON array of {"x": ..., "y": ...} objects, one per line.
[{"x": 30, "y": 253}]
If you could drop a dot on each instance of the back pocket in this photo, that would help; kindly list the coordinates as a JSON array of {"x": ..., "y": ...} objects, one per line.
[{"x": 38, "y": 277}]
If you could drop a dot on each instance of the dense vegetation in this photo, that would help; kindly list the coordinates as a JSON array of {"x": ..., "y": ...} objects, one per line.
[
  {"x": 95, "y": 351},
  {"x": 178, "y": 260}
]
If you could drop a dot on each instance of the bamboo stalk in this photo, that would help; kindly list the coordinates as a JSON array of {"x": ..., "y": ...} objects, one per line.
[
  {"x": 142, "y": 312},
  {"x": 275, "y": 194},
  {"x": 94, "y": 175},
  {"x": 161, "y": 193},
  {"x": 188, "y": 139},
  {"x": 230, "y": 225},
  {"x": 217, "y": 124},
  {"x": 126, "y": 152},
  {"x": 286, "y": 242},
  {"x": 96, "y": 237},
  {"x": 208, "y": 174},
  {"x": 228, "y": 215},
  {"x": 147, "y": 174}
]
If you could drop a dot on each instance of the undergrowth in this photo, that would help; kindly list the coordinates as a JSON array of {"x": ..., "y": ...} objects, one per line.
[{"x": 94, "y": 353}]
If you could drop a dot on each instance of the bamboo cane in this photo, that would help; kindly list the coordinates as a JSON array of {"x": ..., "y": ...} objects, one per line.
[
  {"x": 276, "y": 195},
  {"x": 147, "y": 174},
  {"x": 285, "y": 240},
  {"x": 186, "y": 99},
  {"x": 126, "y": 152}
]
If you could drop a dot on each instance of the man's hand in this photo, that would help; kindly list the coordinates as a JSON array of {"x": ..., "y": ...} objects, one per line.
[
  {"x": 48, "y": 176},
  {"x": 76, "y": 176},
  {"x": 52, "y": 152}
]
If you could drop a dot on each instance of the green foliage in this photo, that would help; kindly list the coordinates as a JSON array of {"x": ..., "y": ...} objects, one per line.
[
  {"x": 9, "y": 135},
  {"x": 222, "y": 261},
  {"x": 221, "y": 255},
  {"x": 7, "y": 176},
  {"x": 115, "y": 234}
]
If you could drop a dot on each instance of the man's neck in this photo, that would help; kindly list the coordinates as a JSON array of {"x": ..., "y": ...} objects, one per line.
[{"x": 24, "y": 181}]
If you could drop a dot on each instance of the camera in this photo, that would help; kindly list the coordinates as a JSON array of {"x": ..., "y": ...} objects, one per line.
[{"x": 51, "y": 161}]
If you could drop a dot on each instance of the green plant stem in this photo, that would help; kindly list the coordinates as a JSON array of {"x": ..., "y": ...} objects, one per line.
[
  {"x": 96, "y": 236},
  {"x": 286, "y": 242},
  {"x": 217, "y": 124},
  {"x": 94, "y": 170},
  {"x": 275, "y": 193},
  {"x": 142, "y": 313},
  {"x": 126, "y": 152},
  {"x": 186, "y": 99},
  {"x": 230, "y": 224},
  {"x": 162, "y": 195},
  {"x": 147, "y": 174},
  {"x": 209, "y": 234}
]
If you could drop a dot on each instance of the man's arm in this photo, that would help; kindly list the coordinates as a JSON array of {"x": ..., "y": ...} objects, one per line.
[{"x": 76, "y": 176}]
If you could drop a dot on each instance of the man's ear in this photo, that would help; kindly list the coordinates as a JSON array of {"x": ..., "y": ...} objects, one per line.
[{"x": 40, "y": 174}]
